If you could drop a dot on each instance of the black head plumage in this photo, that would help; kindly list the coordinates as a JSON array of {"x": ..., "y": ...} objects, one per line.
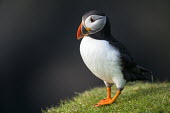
[{"x": 105, "y": 33}]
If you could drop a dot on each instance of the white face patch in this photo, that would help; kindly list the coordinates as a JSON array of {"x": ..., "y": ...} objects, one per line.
[{"x": 95, "y": 23}]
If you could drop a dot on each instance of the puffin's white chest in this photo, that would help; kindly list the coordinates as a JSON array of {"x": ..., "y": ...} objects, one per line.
[{"x": 102, "y": 59}]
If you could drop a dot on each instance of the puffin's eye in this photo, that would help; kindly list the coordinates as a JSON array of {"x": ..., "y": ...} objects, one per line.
[{"x": 92, "y": 20}]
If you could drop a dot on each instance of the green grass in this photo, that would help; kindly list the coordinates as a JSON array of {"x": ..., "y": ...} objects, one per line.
[{"x": 135, "y": 98}]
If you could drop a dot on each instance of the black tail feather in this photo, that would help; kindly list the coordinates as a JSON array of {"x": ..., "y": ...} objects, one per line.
[
  {"x": 138, "y": 73},
  {"x": 145, "y": 73}
]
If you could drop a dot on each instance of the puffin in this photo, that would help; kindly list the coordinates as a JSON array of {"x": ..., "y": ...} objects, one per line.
[{"x": 106, "y": 57}]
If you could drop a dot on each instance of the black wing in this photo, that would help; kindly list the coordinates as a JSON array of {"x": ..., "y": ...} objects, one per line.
[
  {"x": 127, "y": 60},
  {"x": 130, "y": 69}
]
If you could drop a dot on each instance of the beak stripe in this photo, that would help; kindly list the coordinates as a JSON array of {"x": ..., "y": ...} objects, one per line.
[{"x": 79, "y": 32}]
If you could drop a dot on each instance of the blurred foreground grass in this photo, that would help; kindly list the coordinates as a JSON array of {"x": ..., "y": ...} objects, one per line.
[{"x": 136, "y": 97}]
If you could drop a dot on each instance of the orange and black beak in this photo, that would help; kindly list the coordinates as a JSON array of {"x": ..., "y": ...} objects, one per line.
[{"x": 82, "y": 31}]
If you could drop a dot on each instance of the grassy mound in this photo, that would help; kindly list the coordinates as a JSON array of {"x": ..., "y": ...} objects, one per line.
[{"x": 135, "y": 98}]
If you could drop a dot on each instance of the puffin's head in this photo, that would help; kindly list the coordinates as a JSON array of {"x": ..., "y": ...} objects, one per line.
[{"x": 92, "y": 22}]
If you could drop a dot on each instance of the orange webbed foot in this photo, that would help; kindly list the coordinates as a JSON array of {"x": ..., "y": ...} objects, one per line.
[
  {"x": 108, "y": 100},
  {"x": 104, "y": 102}
]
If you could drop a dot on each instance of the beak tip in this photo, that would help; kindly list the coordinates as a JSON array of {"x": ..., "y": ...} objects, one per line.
[{"x": 79, "y": 32}]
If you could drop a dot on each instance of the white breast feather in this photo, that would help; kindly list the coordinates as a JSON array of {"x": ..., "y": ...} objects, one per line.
[{"x": 103, "y": 60}]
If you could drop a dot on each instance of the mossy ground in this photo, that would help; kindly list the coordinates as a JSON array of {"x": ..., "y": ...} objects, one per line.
[{"x": 136, "y": 97}]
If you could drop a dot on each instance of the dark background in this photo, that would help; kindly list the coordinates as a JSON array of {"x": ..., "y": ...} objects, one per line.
[{"x": 40, "y": 61}]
